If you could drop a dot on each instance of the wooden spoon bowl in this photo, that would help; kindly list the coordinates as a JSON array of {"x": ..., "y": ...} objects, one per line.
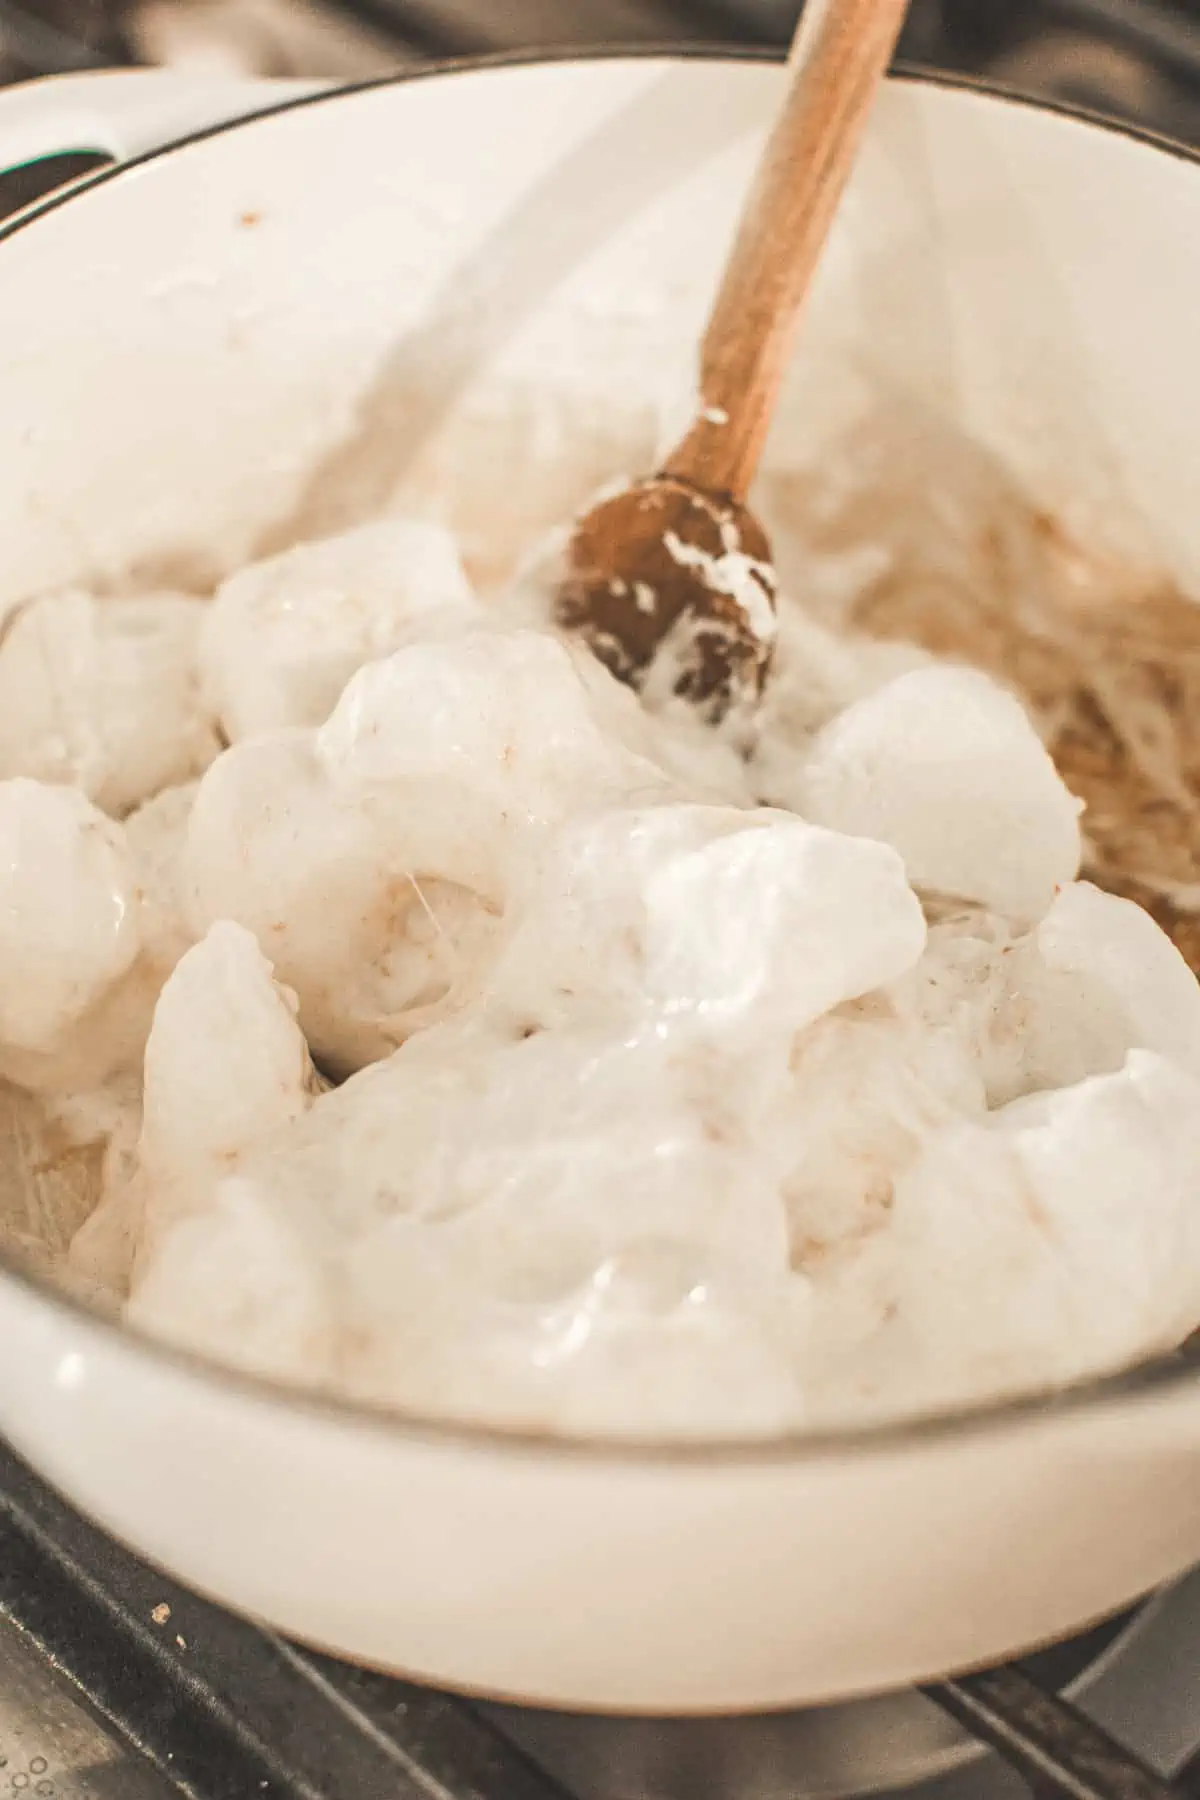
[{"x": 664, "y": 572}]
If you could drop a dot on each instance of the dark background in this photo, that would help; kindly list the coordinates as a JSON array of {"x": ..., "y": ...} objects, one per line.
[{"x": 1138, "y": 59}]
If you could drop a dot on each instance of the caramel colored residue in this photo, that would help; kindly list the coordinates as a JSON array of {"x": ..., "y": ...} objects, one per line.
[
  {"x": 1111, "y": 667},
  {"x": 1106, "y": 656}
]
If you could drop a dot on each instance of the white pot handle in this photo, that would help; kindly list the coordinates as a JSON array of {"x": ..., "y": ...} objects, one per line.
[{"x": 125, "y": 113}]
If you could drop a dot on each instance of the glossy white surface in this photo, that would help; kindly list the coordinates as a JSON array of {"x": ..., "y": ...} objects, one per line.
[{"x": 381, "y": 283}]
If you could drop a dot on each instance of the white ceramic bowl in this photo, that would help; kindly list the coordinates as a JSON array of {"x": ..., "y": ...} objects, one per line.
[{"x": 376, "y": 283}]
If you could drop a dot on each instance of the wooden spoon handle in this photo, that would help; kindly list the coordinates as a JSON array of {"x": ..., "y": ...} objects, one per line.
[{"x": 840, "y": 54}]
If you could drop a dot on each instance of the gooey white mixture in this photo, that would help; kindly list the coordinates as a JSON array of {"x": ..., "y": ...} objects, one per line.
[{"x": 679, "y": 1092}]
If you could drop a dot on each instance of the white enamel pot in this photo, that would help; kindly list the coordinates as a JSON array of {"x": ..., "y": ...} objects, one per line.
[{"x": 377, "y": 284}]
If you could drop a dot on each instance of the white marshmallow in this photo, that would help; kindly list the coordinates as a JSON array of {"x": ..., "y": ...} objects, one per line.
[
  {"x": 511, "y": 1141},
  {"x": 226, "y": 1065},
  {"x": 867, "y": 1093},
  {"x": 1063, "y": 1238},
  {"x": 237, "y": 1283},
  {"x": 779, "y": 919},
  {"x": 660, "y": 1341},
  {"x": 368, "y": 938},
  {"x": 689, "y": 1130},
  {"x": 68, "y": 922},
  {"x": 1096, "y": 980},
  {"x": 709, "y": 916},
  {"x": 156, "y": 834},
  {"x": 472, "y": 745},
  {"x": 284, "y": 636},
  {"x": 963, "y": 990},
  {"x": 104, "y": 694},
  {"x": 946, "y": 767}
]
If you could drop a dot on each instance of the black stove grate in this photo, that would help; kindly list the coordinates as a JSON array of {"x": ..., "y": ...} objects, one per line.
[
  {"x": 225, "y": 1711},
  {"x": 1043, "y": 1737}
]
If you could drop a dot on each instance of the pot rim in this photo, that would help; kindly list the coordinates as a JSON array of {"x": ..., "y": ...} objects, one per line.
[{"x": 1169, "y": 1373}]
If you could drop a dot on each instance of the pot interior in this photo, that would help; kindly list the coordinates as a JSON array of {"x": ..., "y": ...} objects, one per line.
[{"x": 477, "y": 295}]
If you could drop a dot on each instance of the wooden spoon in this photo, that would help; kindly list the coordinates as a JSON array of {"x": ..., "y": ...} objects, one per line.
[{"x": 678, "y": 555}]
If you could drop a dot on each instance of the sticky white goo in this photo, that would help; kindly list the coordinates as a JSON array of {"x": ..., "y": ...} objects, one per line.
[
  {"x": 104, "y": 695},
  {"x": 1061, "y": 1234},
  {"x": 68, "y": 912},
  {"x": 787, "y": 920},
  {"x": 667, "y": 1107},
  {"x": 738, "y": 576},
  {"x": 283, "y": 637},
  {"x": 816, "y": 674},
  {"x": 225, "y": 1063},
  {"x": 373, "y": 858},
  {"x": 95, "y": 908},
  {"x": 658, "y": 1340},
  {"x": 488, "y": 738},
  {"x": 945, "y": 766},
  {"x": 309, "y": 869},
  {"x": 156, "y": 835},
  {"x": 1097, "y": 979},
  {"x": 505, "y": 1144},
  {"x": 748, "y": 923},
  {"x": 962, "y": 993},
  {"x": 238, "y": 1273},
  {"x": 867, "y": 1090},
  {"x": 478, "y": 1210}
]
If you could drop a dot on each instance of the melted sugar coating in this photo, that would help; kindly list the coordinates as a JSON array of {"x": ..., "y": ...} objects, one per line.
[{"x": 689, "y": 1085}]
